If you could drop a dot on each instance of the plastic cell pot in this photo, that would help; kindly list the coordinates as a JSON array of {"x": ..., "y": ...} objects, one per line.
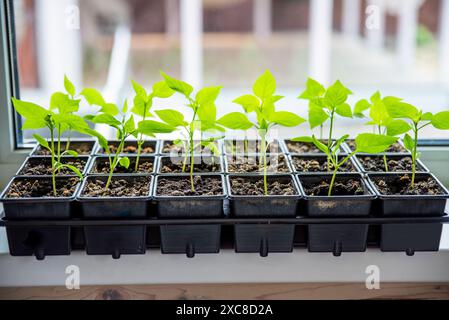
[
  {"x": 215, "y": 162},
  {"x": 189, "y": 239},
  {"x": 294, "y": 147},
  {"x": 169, "y": 147},
  {"x": 321, "y": 158},
  {"x": 277, "y": 163},
  {"x": 115, "y": 240},
  {"x": 410, "y": 237},
  {"x": 390, "y": 156},
  {"x": 149, "y": 147},
  {"x": 26, "y": 167},
  {"x": 38, "y": 241},
  {"x": 262, "y": 238},
  {"x": 100, "y": 162},
  {"x": 84, "y": 147},
  {"x": 337, "y": 238},
  {"x": 250, "y": 146}
]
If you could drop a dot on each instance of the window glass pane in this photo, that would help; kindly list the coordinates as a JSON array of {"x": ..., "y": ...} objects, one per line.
[{"x": 392, "y": 46}]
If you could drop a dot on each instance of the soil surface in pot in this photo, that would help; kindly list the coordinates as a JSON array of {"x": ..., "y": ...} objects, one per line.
[
  {"x": 342, "y": 187},
  {"x": 246, "y": 164},
  {"x": 82, "y": 148},
  {"x": 169, "y": 166},
  {"x": 252, "y": 146},
  {"x": 319, "y": 164},
  {"x": 41, "y": 188},
  {"x": 304, "y": 147},
  {"x": 376, "y": 164},
  {"x": 395, "y": 148},
  {"x": 204, "y": 186},
  {"x": 40, "y": 167},
  {"x": 171, "y": 147},
  {"x": 135, "y": 187},
  {"x": 130, "y": 149},
  {"x": 401, "y": 185},
  {"x": 145, "y": 166},
  {"x": 251, "y": 187}
]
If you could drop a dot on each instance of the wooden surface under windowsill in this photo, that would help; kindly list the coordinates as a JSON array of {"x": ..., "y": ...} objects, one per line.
[{"x": 234, "y": 291}]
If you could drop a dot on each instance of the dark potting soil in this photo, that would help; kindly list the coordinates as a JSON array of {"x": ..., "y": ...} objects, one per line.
[
  {"x": 401, "y": 185},
  {"x": 130, "y": 149},
  {"x": 178, "y": 187},
  {"x": 135, "y": 187},
  {"x": 342, "y": 187},
  {"x": 252, "y": 146},
  {"x": 82, "y": 148},
  {"x": 169, "y": 166},
  {"x": 319, "y": 165},
  {"x": 376, "y": 164},
  {"x": 171, "y": 147},
  {"x": 396, "y": 147},
  {"x": 245, "y": 164},
  {"x": 145, "y": 166},
  {"x": 41, "y": 188},
  {"x": 251, "y": 187},
  {"x": 39, "y": 167},
  {"x": 303, "y": 147}
]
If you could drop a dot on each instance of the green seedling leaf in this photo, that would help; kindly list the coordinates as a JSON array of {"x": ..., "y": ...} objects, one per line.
[
  {"x": 313, "y": 89},
  {"x": 63, "y": 103},
  {"x": 93, "y": 97},
  {"x": 248, "y": 102},
  {"x": 207, "y": 112},
  {"x": 373, "y": 143},
  {"x": 150, "y": 127},
  {"x": 360, "y": 107},
  {"x": 102, "y": 141},
  {"x": 440, "y": 120},
  {"x": 139, "y": 90},
  {"x": 74, "y": 169},
  {"x": 41, "y": 141},
  {"x": 376, "y": 97},
  {"x": 69, "y": 87},
  {"x": 428, "y": 116},
  {"x": 130, "y": 126},
  {"x": 124, "y": 162},
  {"x": 70, "y": 153},
  {"x": 321, "y": 146},
  {"x": 305, "y": 139},
  {"x": 317, "y": 116},
  {"x": 286, "y": 119},
  {"x": 378, "y": 113},
  {"x": 125, "y": 107},
  {"x": 403, "y": 110},
  {"x": 265, "y": 86},
  {"x": 172, "y": 117},
  {"x": 344, "y": 110},
  {"x": 408, "y": 142},
  {"x": 207, "y": 95},
  {"x": 337, "y": 94},
  {"x": 397, "y": 127},
  {"x": 105, "y": 118},
  {"x": 162, "y": 90},
  {"x": 177, "y": 85},
  {"x": 235, "y": 121}
]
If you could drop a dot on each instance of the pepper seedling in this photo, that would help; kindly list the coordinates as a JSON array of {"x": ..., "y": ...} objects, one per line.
[
  {"x": 417, "y": 119},
  {"x": 324, "y": 105},
  {"x": 37, "y": 117},
  {"x": 365, "y": 142},
  {"x": 143, "y": 101},
  {"x": 262, "y": 102},
  {"x": 203, "y": 119},
  {"x": 110, "y": 115},
  {"x": 380, "y": 118}
]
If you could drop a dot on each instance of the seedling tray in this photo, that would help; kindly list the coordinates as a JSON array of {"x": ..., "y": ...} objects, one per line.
[{"x": 38, "y": 244}]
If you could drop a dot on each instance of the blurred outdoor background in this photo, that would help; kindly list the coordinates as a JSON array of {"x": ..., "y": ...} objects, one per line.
[{"x": 400, "y": 47}]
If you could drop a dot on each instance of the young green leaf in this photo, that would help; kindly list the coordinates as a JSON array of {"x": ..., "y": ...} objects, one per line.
[
  {"x": 440, "y": 120},
  {"x": 177, "y": 85},
  {"x": 397, "y": 127},
  {"x": 317, "y": 116},
  {"x": 41, "y": 141},
  {"x": 105, "y": 118},
  {"x": 313, "y": 89},
  {"x": 93, "y": 96},
  {"x": 69, "y": 87},
  {"x": 265, "y": 86},
  {"x": 408, "y": 142},
  {"x": 360, "y": 107},
  {"x": 207, "y": 95},
  {"x": 162, "y": 90},
  {"x": 70, "y": 153},
  {"x": 150, "y": 127},
  {"x": 139, "y": 90},
  {"x": 344, "y": 110},
  {"x": 286, "y": 119},
  {"x": 172, "y": 117},
  {"x": 124, "y": 162},
  {"x": 337, "y": 94},
  {"x": 403, "y": 110},
  {"x": 305, "y": 139},
  {"x": 373, "y": 143},
  {"x": 235, "y": 121},
  {"x": 130, "y": 126},
  {"x": 248, "y": 102},
  {"x": 321, "y": 146}
]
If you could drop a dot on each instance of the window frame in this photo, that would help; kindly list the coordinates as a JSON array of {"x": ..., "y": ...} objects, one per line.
[{"x": 10, "y": 149}]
